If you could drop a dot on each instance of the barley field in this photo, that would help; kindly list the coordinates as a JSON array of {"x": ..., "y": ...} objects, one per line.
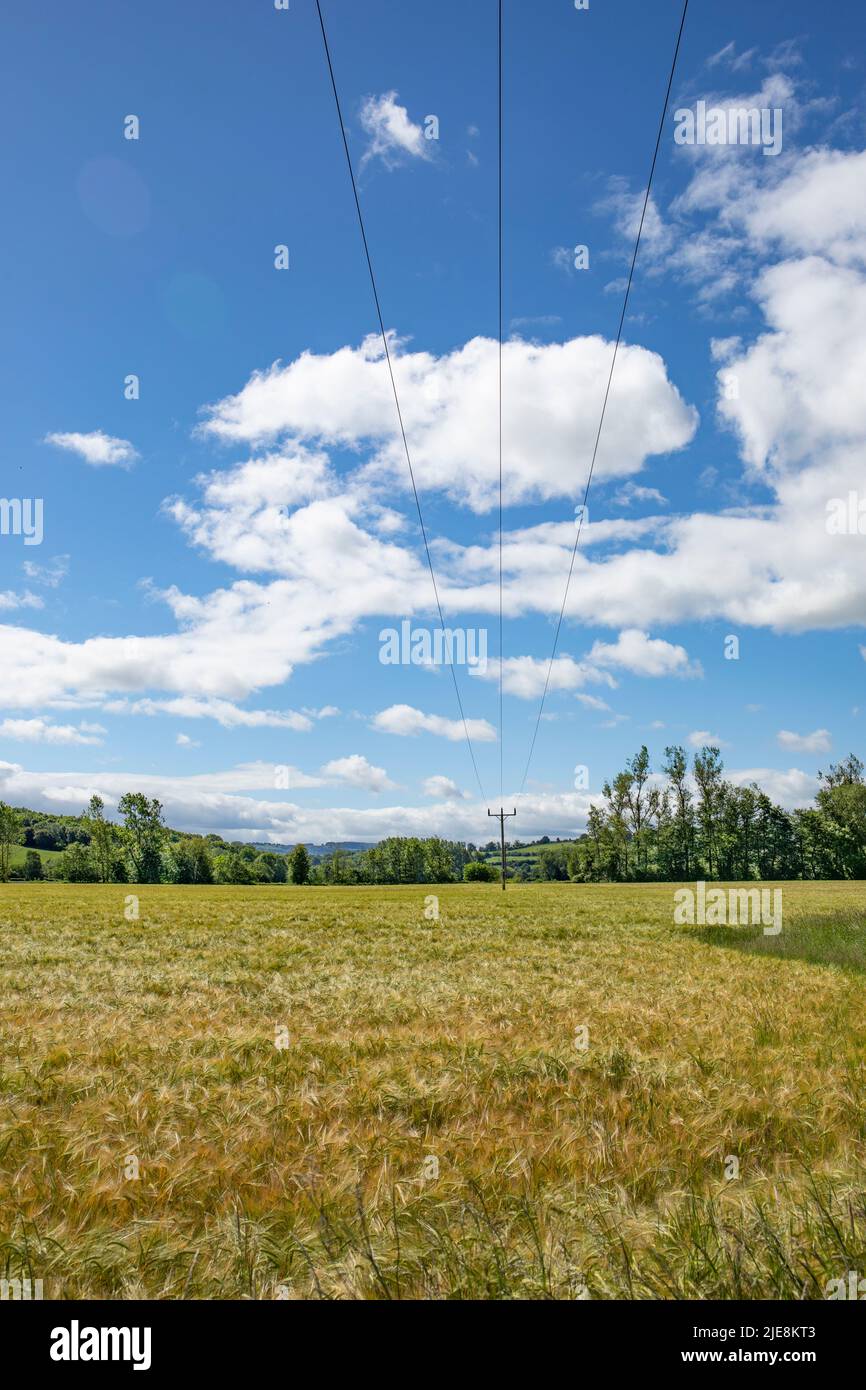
[{"x": 324, "y": 1093}]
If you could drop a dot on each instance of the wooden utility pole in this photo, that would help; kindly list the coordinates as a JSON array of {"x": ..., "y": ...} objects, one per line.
[{"x": 502, "y": 817}]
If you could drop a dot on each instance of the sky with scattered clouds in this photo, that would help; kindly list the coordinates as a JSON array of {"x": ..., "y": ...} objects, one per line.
[{"x": 227, "y": 522}]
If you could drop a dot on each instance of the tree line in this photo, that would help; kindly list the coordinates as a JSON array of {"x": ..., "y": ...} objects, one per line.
[
  {"x": 691, "y": 823},
  {"x": 142, "y": 849},
  {"x": 682, "y": 823}
]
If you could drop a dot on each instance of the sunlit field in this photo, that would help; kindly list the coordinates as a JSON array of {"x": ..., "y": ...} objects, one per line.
[{"x": 326, "y": 1094}]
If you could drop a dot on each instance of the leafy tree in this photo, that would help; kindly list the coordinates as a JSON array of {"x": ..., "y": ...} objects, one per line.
[
  {"x": 676, "y": 768},
  {"x": 10, "y": 835},
  {"x": 337, "y": 868},
  {"x": 189, "y": 861},
  {"x": 49, "y": 836},
  {"x": 233, "y": 869},
  {"x": 842, "y": 799},
  {"x": 299, "y": 865},
  {"x": 119, "y": 869},
  {"x": 143, "y": 835},
  {"x": 638, "y": 799},
  {"x": 745, "y": 809},
  {"x": 708, "y": 769},
  {"x": 595, "y": 827},
  {"x": 551, "y": 865},
  {"x": 202, "y": 864},
  {"x": 480, "y": 872},
  {"x": 179, "y": 863},
  {"x": 33, "y": 865},
  {"x": 817, "y": 844},
  {"x": 270, "y": 868},
  {"x": 77, "y": 864},
  {"x": 103, "y": 838},
  {"x": 438, "y": 861},
  {"x": 848, "y": 773},
  {"x": 616, "y": 840}
]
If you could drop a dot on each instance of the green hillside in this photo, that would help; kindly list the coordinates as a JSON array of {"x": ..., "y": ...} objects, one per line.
[
  {"x": 18, "y": 855},
  {"x": 525, "y": 854}
]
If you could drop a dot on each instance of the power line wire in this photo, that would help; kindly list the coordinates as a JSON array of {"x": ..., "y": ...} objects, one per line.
[
  {"x": 607, "y": 391},
  {"x": 501, "y": 645},
  {"x": 394, "y": 383}
]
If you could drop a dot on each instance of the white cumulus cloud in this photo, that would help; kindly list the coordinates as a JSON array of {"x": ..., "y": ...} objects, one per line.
[
  {"x": 98, "y": 449},
  {"x": 449, "y": 403},
  {"x": 444, "y": 789},
  {"x": 356, "y": 771},
  {"x": 405, "y": 721},
  {"x": 393, "y": 135},
  {"x": 44, "y": 731},
  {"x": 817, "y": 742}
]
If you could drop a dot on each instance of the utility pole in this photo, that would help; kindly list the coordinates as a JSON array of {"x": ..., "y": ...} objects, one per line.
[{"x": 502, "y": 817}]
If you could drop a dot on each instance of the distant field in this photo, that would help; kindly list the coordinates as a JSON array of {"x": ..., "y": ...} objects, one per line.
[
  {"x": 431, "y": 1129},
  {"x": 18, "y": 855},
  {"x": 526, "y": 854}
]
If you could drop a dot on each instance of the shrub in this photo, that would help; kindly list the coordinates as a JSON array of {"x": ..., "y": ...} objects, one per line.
[
  {"x": 33, "y": 865},
  {"x": 480, "y": 872}
]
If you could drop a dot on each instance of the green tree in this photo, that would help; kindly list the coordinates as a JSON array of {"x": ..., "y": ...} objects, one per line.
[
  {"x": 842, "y": 798},
  {"x": 49, "y": 835},
  {"x": 439, "y": 861},
  {"x": 77, "y": 864},
  {"x": 189, "y": 861},
  {"x": 676, "y": 768},
  {"x": 593, "y": 859},
  {"x": 616, "y": 846},
  {"x": 747, "y": 810},
  {"x": 551, "y": 864},
  {"x": 10, "y": 836},
  {"x": 200, "y": 858},
  {"x": 338, "y": 867},
  {"x": 817, "y": 843},
  {"x": 299, "y": 865},
  {"x": 143, "y": 835},
  {"x": 33, "y": 865},
  {"x": 270, "y": 868},
  {"x": 708, "y": 768},
  {"x": 638, "y": 798},
  {"x": 103, "y": 838},
  {"x": 233, "y": 869},
  {"x": 179, "y": 863},
  {"x": 480, "y": 872}
]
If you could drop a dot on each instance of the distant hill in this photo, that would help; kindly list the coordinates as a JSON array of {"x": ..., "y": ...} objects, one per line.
[
  {"x": 318, "y": 851},
  {"x": 49, "y": 832}
]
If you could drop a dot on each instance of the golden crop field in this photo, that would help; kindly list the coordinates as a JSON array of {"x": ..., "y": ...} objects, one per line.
[{"x": 322, "y": 1093}]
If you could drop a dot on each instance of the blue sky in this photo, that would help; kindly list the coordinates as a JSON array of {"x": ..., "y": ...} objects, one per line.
[{"x": 221, "y": 554}]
